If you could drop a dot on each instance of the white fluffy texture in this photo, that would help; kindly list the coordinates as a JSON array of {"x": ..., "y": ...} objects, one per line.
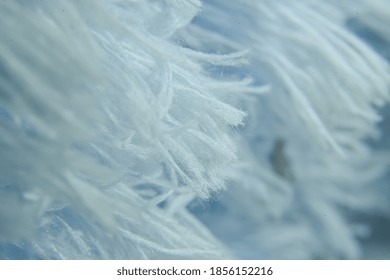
[
  {"x": 115, "y": 115},
  {"x": 96, "y": 103}
]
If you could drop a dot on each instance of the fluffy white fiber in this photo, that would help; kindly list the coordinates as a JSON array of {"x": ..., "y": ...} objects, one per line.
[{"x": 155, "y": 129}]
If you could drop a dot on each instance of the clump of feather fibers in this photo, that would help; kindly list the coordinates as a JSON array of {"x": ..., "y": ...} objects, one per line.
[{"x": 107, "y": 123}]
